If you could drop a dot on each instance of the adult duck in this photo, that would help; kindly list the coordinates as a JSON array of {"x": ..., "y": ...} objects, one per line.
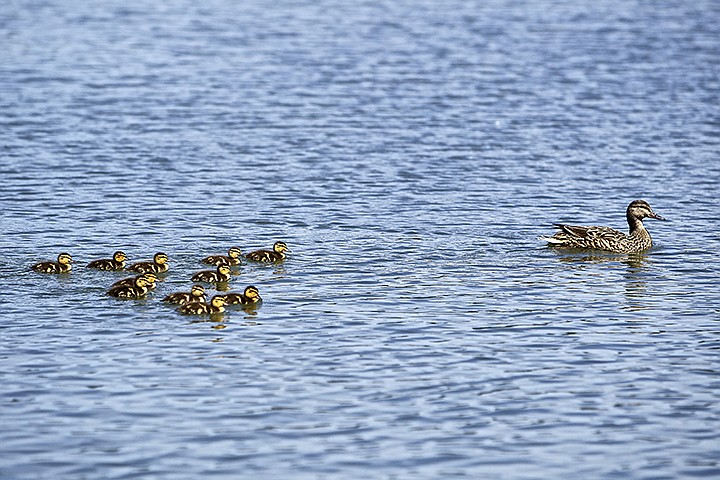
[{"x": 606, "y": 238}]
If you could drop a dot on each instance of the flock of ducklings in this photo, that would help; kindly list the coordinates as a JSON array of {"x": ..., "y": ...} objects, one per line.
[{"x": 193, "y": 302}]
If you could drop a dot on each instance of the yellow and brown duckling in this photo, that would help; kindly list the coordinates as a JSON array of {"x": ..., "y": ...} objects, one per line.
[
  {"x": 159, "y": 264},
  {"x": 606, "y": 238},
  {"x": 232, "y": 258},
  {"x": 221, "y": 274},
  {"x": 196, "y": 294},
  {"x": 249, "y": 297},
  {"x": 216, "y": 305},
  {"x": 277, "y": 254},
  {"x": 115, "y": 263},
  {"x": 63, "y": 265},
  {"x": 140, "y": 288},
  {"x": 150, "y": 279}
]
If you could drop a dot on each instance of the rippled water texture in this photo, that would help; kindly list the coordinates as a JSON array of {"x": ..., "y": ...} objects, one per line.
[{"x": 410, "y": 154}]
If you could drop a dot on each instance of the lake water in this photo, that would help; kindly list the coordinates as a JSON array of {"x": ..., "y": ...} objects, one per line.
[{"x": 410, "y": 154}]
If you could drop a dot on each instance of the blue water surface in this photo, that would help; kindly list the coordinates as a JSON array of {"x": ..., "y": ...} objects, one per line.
[{"x": 410, "y": 154}]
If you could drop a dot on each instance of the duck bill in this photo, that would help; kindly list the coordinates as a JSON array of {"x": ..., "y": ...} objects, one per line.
[{"x": 657, "y": 217}]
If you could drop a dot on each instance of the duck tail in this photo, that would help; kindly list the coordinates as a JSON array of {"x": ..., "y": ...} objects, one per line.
[{"x": 551, "y": 240}]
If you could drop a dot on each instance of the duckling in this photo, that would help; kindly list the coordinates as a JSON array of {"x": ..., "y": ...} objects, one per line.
[
  {"x": 276, "y": 255},
  {"x": 63, "y": 265},
  {"x": 216, "y": 305},
  {"x": 222, "y": 274},
  {"x": 196, "y": 294},
  {"x": 138, "y": 290},
  {"x": 158, "y": 265},
  {"x": 115, "y": 263},
  {"x": 149, "y": 277},
  {"x": 250, "y": 296},
  {"x": 606, "y": 238},
  {"x": 232, "y": 258}
]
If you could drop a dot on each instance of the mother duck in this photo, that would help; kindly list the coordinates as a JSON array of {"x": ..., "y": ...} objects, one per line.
[{"x": 606, "y": 238}]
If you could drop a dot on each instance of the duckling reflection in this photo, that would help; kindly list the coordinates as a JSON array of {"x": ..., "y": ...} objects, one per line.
[{"x": 216, "y": 321}]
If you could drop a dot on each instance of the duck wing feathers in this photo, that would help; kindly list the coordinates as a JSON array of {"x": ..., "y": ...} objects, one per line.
[{"x": 603, "y": 238}]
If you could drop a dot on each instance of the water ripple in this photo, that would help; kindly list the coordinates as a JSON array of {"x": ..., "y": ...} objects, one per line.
[{"x": 410, "y": 156}]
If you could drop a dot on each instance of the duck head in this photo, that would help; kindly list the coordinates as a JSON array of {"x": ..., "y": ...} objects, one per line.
[
  {"x": 218, "y": 301},
  {"x": 640, "y": 209},
  {"x": 252, "y": 293},
  {"x": 280, "y": 247}
]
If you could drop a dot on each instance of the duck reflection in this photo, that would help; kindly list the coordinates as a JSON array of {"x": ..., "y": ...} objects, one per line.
[
  {"x": 635, "y": 282},
  {"x": 635, "y": 266},
  {"x": 216, "y": 323}
]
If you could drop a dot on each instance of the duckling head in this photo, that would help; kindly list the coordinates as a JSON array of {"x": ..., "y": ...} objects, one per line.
[
  {"x": 280, "y": 247},
  {"x": 641, "y": 209},
  {"x": 119, "y": 256},
  {"x": 224, "y": 269},
  {"x": 65, "y": 259},
  {"x": 252, "y": 292},
  {"x": 141, "y": 281},
  {"x": 197, "y": 291},
  {"x": 234, "y": 252},
  {"x": 160, "y": 258},
  {"x": 218, "y": 301}
]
